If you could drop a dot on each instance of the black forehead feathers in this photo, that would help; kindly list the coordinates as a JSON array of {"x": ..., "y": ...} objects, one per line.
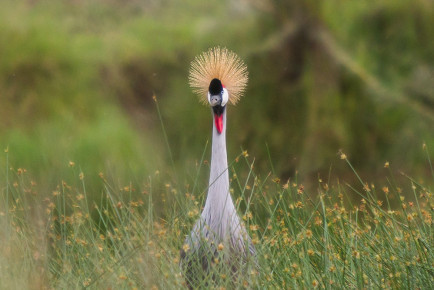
[{"x": 215, "y": 87}]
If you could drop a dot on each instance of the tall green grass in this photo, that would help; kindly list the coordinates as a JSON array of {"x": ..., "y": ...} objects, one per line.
[{"x": 131, "y": 236}]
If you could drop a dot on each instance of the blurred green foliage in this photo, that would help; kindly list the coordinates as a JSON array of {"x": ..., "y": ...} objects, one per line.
[{"x": 77, "y": 80}]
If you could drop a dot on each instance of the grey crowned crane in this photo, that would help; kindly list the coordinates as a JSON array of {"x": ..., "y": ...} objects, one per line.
[{"x": 218, "y": 238}]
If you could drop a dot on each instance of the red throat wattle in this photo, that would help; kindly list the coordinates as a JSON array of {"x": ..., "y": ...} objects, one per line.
[{"x": 218, "y": 122}]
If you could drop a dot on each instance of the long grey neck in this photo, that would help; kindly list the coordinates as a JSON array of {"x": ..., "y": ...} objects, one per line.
[{"x": 219, "y": 202}]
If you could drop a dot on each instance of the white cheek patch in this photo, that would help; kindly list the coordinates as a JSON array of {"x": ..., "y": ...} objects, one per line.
[
  {"x": 225, "y": 97},
  {"x": 209, "y": 98}
]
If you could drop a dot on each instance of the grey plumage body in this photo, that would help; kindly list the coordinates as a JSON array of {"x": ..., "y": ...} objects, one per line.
[{"x": 219, "y": 223}]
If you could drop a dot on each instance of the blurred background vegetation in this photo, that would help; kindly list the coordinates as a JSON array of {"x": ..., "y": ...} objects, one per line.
[{"x": 77, "y": 80}]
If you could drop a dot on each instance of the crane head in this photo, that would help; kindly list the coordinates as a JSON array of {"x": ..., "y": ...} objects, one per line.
[
  {"x": 218, "y": 97},
  {"x": 217, "y": 93},
  {"x": 218, "y": 76},
  {"x": 218, "y": 71}
]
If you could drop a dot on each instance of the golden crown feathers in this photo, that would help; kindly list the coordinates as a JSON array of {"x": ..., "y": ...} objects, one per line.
[{"x": 218, "y": 63}]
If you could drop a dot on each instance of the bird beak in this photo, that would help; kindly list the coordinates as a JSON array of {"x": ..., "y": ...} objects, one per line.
[
  {"x": 216, "y": 101},
  {"x": 218, "y": 119}
]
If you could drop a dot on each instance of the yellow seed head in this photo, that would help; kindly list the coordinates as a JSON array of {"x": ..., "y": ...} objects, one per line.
[
  {"x": 186, "y": 247},
  {"x": 409, "y": 217},
  {"x": 356, "y": 254}
]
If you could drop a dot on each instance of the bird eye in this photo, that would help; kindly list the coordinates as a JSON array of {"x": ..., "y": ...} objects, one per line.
[{"x": 222, "y": 92}]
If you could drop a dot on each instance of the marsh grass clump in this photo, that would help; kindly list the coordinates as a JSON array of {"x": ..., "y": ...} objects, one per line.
[{"x": 364, "y": 235}]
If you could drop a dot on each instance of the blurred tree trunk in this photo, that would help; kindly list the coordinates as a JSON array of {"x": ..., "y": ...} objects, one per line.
[
  {"x": 325, "y": 132},
  {"x": 361, "y": 108},
  {"x": 309, "y": 63}
]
